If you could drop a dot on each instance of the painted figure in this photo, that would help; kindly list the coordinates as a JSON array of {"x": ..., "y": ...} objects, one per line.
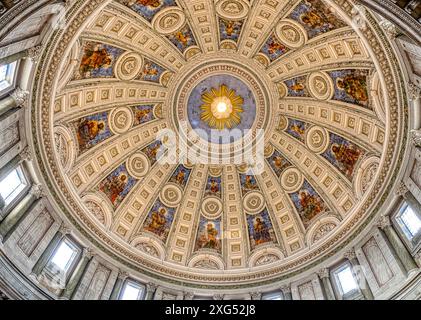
[
  {"x": 230, "y": 29},
  {"x": 95, "y": 59},
  {"x": 208, "y": 237},
  {"x": 261, "y": 232},
  {"x": 347, "y": 156},
  {"x": 148, "y": 3},
  {"x": 158, "y": 220},
  {"x": 150, "y": 69},
  {"x": 298, "y": 129},
  {"x": 114, "y": 186},
  {"x": 151, "y": 151},
  {"x": 250, "y": 183},
  {"x": 214, "y": 187},
  {"x": 180, "y": 177},
  {"x": 311, "y": 204},
  {"x": 355, "y": 86},
  {"x": 275, "y": 47},
  {"x": 88, "y": 130},
  {"x": 312, "y": 19},
  {"x": 143, "y": 115},
  {"x": 184, "y": 38}
]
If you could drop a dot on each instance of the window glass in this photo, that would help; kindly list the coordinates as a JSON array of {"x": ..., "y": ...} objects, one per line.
[
  {"x": 347, "y": 280},
  {"x": 272, "y": 296},
  {"x": 7, "y": 74},
  {"x": 12, "y": 185},
  {"x": 411, "y": 221},
  {"x": 131, "y": 291},
  {"x": 64, "y": 255},
  {"x": 3, "y": 72}
]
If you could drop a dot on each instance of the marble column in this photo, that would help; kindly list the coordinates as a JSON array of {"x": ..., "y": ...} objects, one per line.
[
  {"x": 150, "y": 291},
  {"x": 256, "y": 296},
  {"x": 118, "y": 286},
  {"x": 18, "y": 98},
  {"x": 286, "y": 290},
  {"x": 45, "y": 256},
  {"x": 360, "y": 277},
  {"x": 77, "y": 274},
  {"x": 400, "y": 251},
  {"x": 9, "y": 224},
  {"x": 327, "y": 285}
]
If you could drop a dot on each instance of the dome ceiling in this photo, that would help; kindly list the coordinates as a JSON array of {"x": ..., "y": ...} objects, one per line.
[{"x": 126, "y": 71}]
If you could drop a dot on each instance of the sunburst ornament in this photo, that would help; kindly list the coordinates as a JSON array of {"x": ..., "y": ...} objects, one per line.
[{"x": 221, "y": 108}]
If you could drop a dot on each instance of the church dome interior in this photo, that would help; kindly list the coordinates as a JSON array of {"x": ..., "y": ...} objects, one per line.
[{"x": 210, "y": 149}]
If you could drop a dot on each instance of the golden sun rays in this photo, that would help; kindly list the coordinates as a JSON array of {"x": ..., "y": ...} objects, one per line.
[{"x": 221, "y": 108}]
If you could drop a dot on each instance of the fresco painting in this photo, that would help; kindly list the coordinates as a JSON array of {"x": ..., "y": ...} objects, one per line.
[
  {"x": 316, "y": 17},
  {"x": 260, "y": 229},
  {"x": 91, "y": 131},
  {"x": 148, "y": 8},
  {"x": 308, "y": 203},
  {"x": 97, "y": 60},
  {"x": 159, "y": 220},
  {"x": 278, "y": 163},
  {"x": 351, "y": 86},
  {"x": 180, "y": 176},
  {"x": 209, "y": 235},
  {"x": 213, "y": 187},
  {"x": 343, "y": 154},
  {"x": 229, "y": 29},
  {"x": 117, "y": 185},
  {"x": 273, "y": 48}
]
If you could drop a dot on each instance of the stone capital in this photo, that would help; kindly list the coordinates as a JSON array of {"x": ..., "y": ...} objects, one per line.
[
  {"x": 350, "y": 254},
  {"x": 88, "y": 253},
  {"x": 384, "y": 222},
  {"x": 218, "y": 297},
  {"x": 37, "y": 191},
  {"x": 256, "y": 295},
  {"x": 416, "y": 137},
  {"x": 323, "y": 273},
  {"x": 414, "y": 92},
  {"x": 64, "y": 230},
  {"x": 188, "y": 295},
  {"x": 150, "y": 287},
  {"x": 401, "y": 190},
  {"x": 286, "y": 289},
  {"x": 26, "y": 154},
  {"x": 20, "y": 96},
  {"x": 34, "y": 53},
  {"x": 122, "y": 275}
]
